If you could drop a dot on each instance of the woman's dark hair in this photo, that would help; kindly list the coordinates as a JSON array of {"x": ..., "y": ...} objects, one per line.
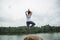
[{"x": 29, "y": 12}]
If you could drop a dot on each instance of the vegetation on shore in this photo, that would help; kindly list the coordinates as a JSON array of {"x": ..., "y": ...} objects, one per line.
[{"x": 23, "y": 30}]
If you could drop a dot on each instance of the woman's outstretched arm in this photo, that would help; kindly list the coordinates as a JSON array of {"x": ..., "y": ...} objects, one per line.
[{"x": 26, "y": 12}]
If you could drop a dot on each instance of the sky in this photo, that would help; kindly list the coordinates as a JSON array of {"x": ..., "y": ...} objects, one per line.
[{"x": 12, "y": 12}]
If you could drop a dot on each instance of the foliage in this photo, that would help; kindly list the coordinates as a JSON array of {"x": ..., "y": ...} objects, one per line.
[{"x": 23, "y": 30}]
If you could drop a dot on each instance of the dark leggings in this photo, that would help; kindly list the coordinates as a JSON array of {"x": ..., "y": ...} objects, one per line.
[{"x": 28, "y": 25}]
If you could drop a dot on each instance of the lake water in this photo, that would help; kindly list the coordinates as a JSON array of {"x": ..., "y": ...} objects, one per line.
[{"x": 45, "y": 36}]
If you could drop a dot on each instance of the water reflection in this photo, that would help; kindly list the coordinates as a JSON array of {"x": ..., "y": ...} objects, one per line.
[{"x": 45, "y": 36}]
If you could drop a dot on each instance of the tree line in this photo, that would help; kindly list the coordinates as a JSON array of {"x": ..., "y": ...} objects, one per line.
[{"x": 23, "y": 30}]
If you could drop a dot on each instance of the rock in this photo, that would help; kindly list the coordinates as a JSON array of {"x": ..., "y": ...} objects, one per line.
[{"x": 32, "y": 37}]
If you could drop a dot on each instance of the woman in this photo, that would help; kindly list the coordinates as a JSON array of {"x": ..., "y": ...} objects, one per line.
[{"x": 28, "y": 16}]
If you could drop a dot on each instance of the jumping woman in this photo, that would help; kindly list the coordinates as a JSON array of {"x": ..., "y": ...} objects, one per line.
[{"x": 28, "y": 22}]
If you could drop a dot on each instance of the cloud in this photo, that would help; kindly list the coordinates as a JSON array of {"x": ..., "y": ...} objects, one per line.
[
  {"x": 3, "y": 19},
  {"x": 44, "y": 12}
]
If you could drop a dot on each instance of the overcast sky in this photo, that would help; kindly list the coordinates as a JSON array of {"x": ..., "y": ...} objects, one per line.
[{"x": 12, "y": 12}]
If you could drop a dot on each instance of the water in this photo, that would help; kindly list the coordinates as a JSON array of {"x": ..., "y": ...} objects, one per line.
[{"x": 45, "y": 36}]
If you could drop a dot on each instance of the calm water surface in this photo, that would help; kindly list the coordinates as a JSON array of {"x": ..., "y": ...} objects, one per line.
[{"x": 45, "y": 36}]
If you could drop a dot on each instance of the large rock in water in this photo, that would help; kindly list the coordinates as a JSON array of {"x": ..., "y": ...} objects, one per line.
[{"x": 32, "y": 37}]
